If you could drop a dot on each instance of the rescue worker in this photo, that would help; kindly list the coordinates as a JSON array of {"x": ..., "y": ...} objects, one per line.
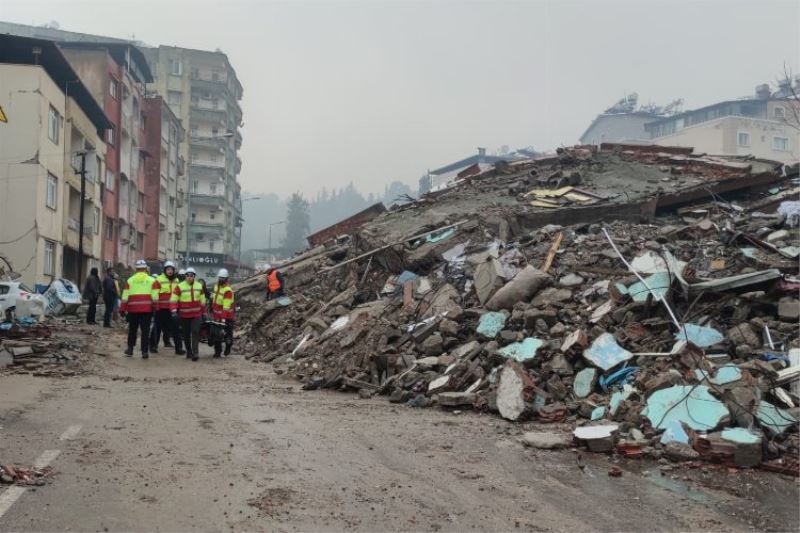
[
  {"x": 188, "y": 304},
  {"x": 274, "y": 283},
  {"x": 110, "y": 296},
  {"x": 164, "y": 324},
  {"x": 222, "y": 310},
  {"x": 139, "y": 298},
  {"x": 181, "y": 274}
]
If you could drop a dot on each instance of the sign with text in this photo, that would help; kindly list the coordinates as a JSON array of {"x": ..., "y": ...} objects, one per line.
[{"x": 203, "y": 258}]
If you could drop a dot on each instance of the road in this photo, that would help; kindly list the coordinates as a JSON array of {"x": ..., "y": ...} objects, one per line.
[{"x": 167, "y": 444}]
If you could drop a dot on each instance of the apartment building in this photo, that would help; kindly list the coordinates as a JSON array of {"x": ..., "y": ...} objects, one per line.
[
  {"x": 53, "y": 120},
  {"x": 164, "y": 135},
  {"x": 202, "y": 89}
]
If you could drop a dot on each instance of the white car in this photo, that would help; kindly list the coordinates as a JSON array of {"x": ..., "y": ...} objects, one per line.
[{"x": 13, "y": 291}]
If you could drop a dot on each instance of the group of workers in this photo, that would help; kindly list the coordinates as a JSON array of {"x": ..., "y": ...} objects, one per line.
[{"x": 175, "y": 303}]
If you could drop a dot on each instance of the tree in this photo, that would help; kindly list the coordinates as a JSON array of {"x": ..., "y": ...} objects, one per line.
[
  {"x": 297, "y": 223},
  {"x": 788, "y": 88}
]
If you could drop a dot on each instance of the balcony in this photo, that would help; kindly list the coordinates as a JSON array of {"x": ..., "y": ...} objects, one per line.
[
  {"x": 211, "y": 200},
  {"x": 218, "y": 225},
  {"x": 215, "y": 116},
  {"x": 205, "y": 163},
  {"x": 206, "y": 83},
  {"x": 162, "y": 221},
  {"x": 212, "y": 143},
  {"x": 73, "y": 226}
]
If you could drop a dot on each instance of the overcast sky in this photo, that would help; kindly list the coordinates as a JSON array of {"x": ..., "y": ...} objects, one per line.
[{"x": 369, "y": 92}]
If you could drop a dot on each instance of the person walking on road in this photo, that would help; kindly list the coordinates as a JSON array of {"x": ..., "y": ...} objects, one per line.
[
  {"x": 188, "y": 304},
  {"x": 275, "y": 283},
  {"x": 139, "y": 299},
  {"x": 164, "y": 324},
  {"x": 222, "y": 310},
  {"x": 110, "y": 296},
  {"x": 91, "y": 292}
]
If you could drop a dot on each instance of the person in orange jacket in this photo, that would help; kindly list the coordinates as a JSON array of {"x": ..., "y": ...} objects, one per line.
[{"x": 275, "y": 283}]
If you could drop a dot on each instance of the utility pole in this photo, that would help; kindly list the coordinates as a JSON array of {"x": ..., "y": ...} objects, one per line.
[{"x": 82, "y": 173}]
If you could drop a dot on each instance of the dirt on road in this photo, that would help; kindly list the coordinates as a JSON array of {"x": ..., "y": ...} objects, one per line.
[{"x": 167, "y": 444}]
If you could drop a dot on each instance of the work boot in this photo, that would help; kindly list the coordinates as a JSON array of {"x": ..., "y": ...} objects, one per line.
[
  {"x": 153, "y": 350},
  {"x": 195, "y": 358},
  {"x": 129, "y": 351},
  {"x": 189, "y": 354},
  {"x": 168, "y": 345},
  {"x": 145, "y": 355},
  {"x": 228, "y": 349},
  {"x": 180, "y": 352}
]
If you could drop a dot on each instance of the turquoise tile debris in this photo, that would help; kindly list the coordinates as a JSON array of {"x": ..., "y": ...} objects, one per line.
[
  {"x": 491, "y": 323},
  {"x": 617, "y": 398},
  {"x": 691, "y": 404},
  {"x": 440, "y": 236},
  {"x": 522, "y": 351},
  {"x": 659, "y": 284},
  {"x": 700, "y": 336},
  {"x": 723, "y": 375},
  {"x": 584, "y": 382},
  {"x": 605, "y": 353},
  {"x": 740, "y": 436},
  {"x": 674, "y": 433},
  {"x": 775, "y": 419},
  {"x": 598, "y": 413}
]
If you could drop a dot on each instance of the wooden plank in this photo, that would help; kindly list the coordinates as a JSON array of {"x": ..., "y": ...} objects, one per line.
[{"x": 552, "y": 253}]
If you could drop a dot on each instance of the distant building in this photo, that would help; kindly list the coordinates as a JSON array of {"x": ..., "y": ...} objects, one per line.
[
  {"x": 444, "y": 176},
  {"x": 627, "y": 128},
  {"x": 202, "y": 89},
  {"x": 765, "y": 126},
  {"x": 52, "y": 119}
]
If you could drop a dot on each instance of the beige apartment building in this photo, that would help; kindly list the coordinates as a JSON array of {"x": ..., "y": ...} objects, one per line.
[
  {"x": 52, "y": 118},
  {"x": 765, "y": 127}
]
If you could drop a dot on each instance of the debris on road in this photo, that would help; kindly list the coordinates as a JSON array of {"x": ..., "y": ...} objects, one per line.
[
  {"x": 657, "y": 299},
  {"x": 11, "y": 474}
]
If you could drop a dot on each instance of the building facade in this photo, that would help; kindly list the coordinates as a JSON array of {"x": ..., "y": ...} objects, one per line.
[
  {"x": 764, "y": 127},
  {"x": 203, "y": 91},
  {"x": 53, "y": 121},
  {"x": 626, "y": 128},
  {"x": 163, "y": 169}
]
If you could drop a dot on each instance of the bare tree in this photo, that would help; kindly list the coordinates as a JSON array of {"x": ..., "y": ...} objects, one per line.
[{"x": 786, "y": 83}]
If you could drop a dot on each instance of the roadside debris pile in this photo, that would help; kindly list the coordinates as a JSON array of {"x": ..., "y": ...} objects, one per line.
[
  {"x": 676, "y": 338},
  {"x": 27, "y": 346},
  {"x": 10, "y": 474}
]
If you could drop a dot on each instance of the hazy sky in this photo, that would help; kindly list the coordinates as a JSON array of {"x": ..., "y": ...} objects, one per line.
[{"x": 374, "y": 91}]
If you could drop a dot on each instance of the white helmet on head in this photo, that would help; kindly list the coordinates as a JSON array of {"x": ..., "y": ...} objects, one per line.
[
  {"x": 169, "y": 264},
  {"x": 191, "y": 271},
  {"x": 223, "y": 273},
  {"x": 181, "y": 272},
  {"x": 141, "y": 263},
  {"x": 267, "y": 266}
]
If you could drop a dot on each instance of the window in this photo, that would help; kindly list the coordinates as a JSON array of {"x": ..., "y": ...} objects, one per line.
[
  {"x": 109, "y": 180},
  {"x": 53, "y": 124},
  {"x": 175, "y": 67},
  {"x": 211, "y": 246},
  {"x": 109, "y": 230},
  {"x": 97, "y": 221},
  {"x": 195, "y": 73},
  {"x": 194, "y": 131},
  {"x": 780, "y": 112},
  {"x": 49, "y": 258},
  {"x": 212, "y": 216},
  {"x": 110, "y": 136},
  {"x": 174, "y": 98},
  {"x": 743, "y": 138},
  {"x": 780, "y": 144},
  {"x": 140, "y": 241},
  {"x": 52, "y": 192},
  {"x": 214, "y": 131},
  {"x": 141, "y": 203},
  {"x": 215, "y": 75},
  {"x": 113, "y": 87},
  {"x": 213, "y": 188}
]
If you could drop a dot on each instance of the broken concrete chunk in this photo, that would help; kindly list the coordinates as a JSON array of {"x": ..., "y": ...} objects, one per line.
[
  {"x": 774, "y": 419},
  {"x": 532, "y": 316},
  {"x": 789, "y": 309},
  {"x": 544, "y": 440},
  {"x": 744, "y": 334},
  {"x": 679, "y": 451},
  {"x": 439, "y": 384},
  {"x": 584, "y": 382},
  {"x": 597, "y": 438},
  {"x": 719, "y": 376},
  {"x": 432, "y": 345},
  {"x": 560, "y": 365},
  {"x": 674, "y": 433},
  {"x": 551, "y": 296},
  {"x": 445, "y": 303},
  {"x": 524, "y": 285},
  {"x": 605, "y": 353},
  {"x": 571, "y": 280},
  {"x": 601, "y": 311},
  {"x": 490, "y": 324},
  {"x": 449, "y": 327},
  {"x": 748, "y": 449},
  {"x": 577, "y": 338},
  {"x": 488, "y": 279},
  {"x": 515, "y": 392},
  {"x": 522, "y": 351},
  {"x": 456, "y": 399},
  {"x": 617, "y": 398},
  {"x": 694, "y": 406},
  {"x": 777, "y": 235}
]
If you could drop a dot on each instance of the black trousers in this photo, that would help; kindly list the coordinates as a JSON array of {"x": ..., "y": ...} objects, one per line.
[
  {"x": 91, "y": 314},
  {"x": 275, "y": 295},
  {"x": 190, "y": 329},
  {"x": 164, "y": 325},
  {"x": 110, "y": 302},
  {"x": 136, "y": 321},
  {"x": 228, "y": 337}
]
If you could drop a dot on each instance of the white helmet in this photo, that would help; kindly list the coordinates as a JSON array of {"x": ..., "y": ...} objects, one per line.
[
  {"x": 191, "y": 271},
  {"x": 223, "y": 273},
  {"x": 267, "y": 266},
  {"x": 181, "y": 272},
  {"x": 168, "y": 264},
  {"x": 141, "y": 263}
]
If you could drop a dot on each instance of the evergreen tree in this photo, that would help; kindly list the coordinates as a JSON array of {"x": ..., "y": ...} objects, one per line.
[{"x": 297, "y": 223}]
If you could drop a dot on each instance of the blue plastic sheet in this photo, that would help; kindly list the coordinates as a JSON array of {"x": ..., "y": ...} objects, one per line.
[{"x": 621, "y": 376}]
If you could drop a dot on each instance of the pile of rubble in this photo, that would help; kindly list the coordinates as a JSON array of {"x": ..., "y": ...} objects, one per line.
[
  {"x": 52, "y": 347},
  {"x": 518, "y": 292}
]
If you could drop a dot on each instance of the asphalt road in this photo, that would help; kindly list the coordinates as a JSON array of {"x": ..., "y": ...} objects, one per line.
[{"x": 167, "y": 444}]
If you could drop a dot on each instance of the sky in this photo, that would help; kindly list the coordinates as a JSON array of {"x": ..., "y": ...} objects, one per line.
[{"x": 374, "y": 91}]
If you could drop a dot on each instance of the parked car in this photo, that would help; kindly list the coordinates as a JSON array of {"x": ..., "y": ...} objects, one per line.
[{"x": 13, "y": 291}]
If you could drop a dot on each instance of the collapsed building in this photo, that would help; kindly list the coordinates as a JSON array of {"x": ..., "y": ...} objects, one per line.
[{"x": 646, "y": 295}]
